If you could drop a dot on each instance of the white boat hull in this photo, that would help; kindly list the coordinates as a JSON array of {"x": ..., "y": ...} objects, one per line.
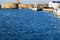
[
  {"x": 34, "y": 9},
  {"x": 57, "y": 12}
]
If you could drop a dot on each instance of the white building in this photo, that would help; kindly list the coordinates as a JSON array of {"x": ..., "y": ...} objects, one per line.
[{"x": 54, "y": 4}]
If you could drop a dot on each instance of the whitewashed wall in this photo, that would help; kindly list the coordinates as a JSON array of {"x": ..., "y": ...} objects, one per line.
[{"x": 54, "y": 5}]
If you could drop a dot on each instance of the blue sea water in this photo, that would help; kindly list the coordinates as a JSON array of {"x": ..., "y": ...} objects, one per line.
[{"x": 25, "y": 24}]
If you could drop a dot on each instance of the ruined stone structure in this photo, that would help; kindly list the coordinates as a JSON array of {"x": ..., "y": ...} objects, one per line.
[
  {"x": 24, "y": 6},
  {"x": 10, "y": 5},
  {"x": 16, "y": 5}
]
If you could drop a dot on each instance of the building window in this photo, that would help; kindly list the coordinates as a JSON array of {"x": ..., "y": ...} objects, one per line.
[{"x": 56, "y": 1}]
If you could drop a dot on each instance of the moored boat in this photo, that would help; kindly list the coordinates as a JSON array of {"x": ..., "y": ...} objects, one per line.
[
  {"x": 36, "y": 8},
  {"x": 57, "y": 12}
]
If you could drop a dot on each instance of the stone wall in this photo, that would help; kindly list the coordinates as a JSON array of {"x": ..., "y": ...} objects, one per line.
[
  {"x": 24, "y": 5},
  {"x": 10, "y": 5}
]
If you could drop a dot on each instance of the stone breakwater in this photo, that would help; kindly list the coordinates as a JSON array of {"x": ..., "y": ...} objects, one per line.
[{"x": 28, "y": 25}]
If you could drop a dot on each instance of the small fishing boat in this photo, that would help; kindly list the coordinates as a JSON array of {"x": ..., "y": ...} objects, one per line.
[
  {"x": 36, "y": 8},
  {"x": 56, "y": 6},
  {"x": 57, "y": 12}
]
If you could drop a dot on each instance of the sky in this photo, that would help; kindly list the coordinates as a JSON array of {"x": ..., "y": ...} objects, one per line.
[{"x": 26, "y": 1}]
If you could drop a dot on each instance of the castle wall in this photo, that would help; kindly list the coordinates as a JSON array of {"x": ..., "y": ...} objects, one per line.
[
  {"x": 9, "y": 5},
  {"x": 24, "y": 5}
]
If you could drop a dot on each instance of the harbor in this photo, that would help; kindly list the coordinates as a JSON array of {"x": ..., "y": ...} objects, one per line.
[
  {"x": 18, "y": 5},
  {"x": 52, "y": 6},
  {"x": 20, "y": 21},
  {"x": 21, "y": 24}
]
